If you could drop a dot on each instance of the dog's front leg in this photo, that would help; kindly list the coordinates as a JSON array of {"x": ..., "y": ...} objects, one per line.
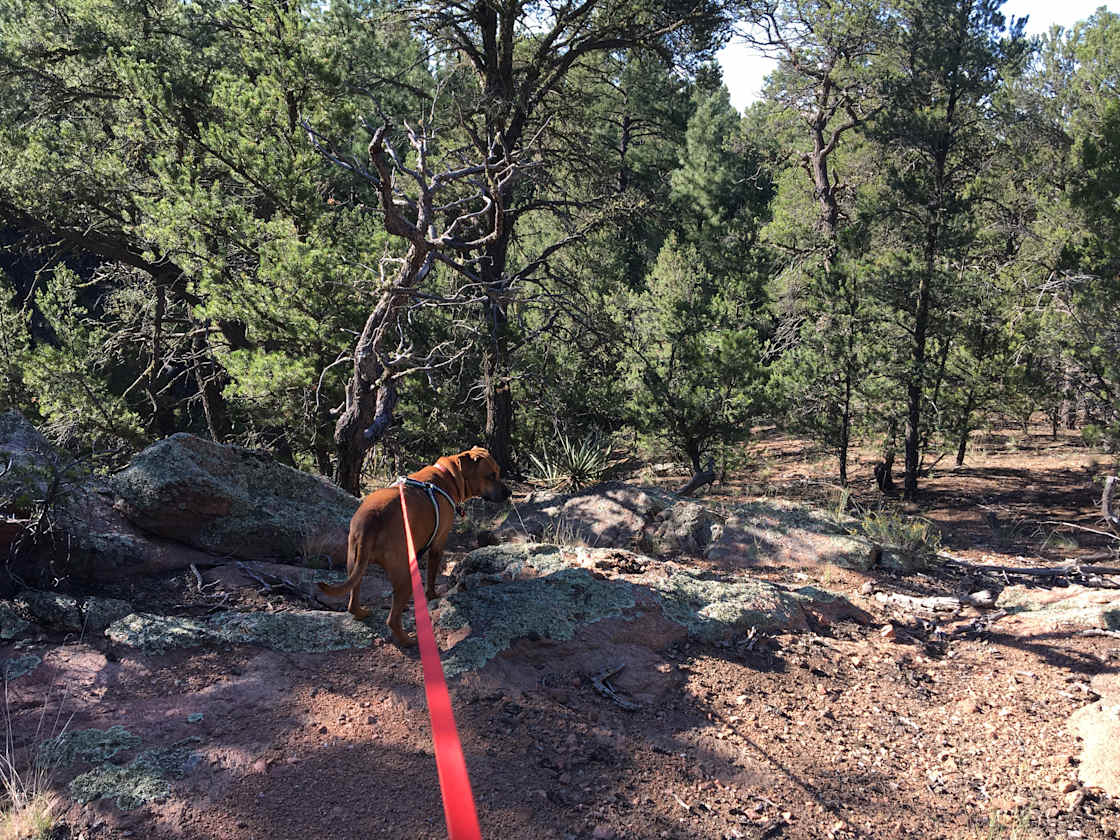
[{"x": 435, "y": 567}]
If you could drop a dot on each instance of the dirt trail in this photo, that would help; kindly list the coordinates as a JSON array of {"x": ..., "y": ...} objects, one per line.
[{"x": 919, "y": 726}]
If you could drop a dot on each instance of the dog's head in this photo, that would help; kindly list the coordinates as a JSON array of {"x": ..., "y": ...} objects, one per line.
[{"x": 480, "y": 473}]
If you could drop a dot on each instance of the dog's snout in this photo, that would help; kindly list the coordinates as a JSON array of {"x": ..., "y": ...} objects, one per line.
[{"x": 506, "y": 492}]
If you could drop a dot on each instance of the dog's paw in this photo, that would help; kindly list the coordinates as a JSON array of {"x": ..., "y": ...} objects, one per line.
[{"x": 361, "y": 613}]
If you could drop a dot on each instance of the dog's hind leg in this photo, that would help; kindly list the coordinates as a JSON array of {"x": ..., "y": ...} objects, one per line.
[
  {"x": 356, "y": 564},
  {"x": 401, "y": 580},
  {"x": 355, "y": 604}
]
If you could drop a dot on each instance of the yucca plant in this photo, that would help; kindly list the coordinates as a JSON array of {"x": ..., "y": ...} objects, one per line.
[
  {"x": 916, "y": 540},
  {"x": 573, "y": 464}
]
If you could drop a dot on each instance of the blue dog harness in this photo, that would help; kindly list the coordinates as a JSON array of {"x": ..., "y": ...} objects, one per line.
[{"x": 431, "y": 489}]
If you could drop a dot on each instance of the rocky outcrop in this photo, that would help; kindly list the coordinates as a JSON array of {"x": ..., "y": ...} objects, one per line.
[
  {"x": 684, "y": 528},
  {"x": 233, "y": 501},
  {"x": 545, "y": 593},
  {"x": 181, "y": 501},
  {"x": 87, "y": 536},
  {"x": 606, "y": 515}
]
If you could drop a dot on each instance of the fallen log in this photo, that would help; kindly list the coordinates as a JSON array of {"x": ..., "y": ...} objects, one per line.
[
  {"x": 1064, "y": 570},
  {"x": 706, "y": 476}
]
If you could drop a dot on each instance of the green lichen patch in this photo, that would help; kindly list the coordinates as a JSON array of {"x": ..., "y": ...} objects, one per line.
[
  {"x": 307, "y": 631},
  {"x": 552, "y": 607},
  {"x": 17, "y": 666},
  {"x": 92, "y": 745},
  {"x": 711, "y": 608},
  {"x": 12, "y": 625},
  {"x": 294, "y": 631},
  {"x": 146, "y": 779},
  {"x": 52, "y": 609},
  {"x": 508, "y": 561},
  {"x": 160, "y": 633}
]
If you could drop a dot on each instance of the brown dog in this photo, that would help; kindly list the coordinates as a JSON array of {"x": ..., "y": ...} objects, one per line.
[{"x": 377, "y": 529}]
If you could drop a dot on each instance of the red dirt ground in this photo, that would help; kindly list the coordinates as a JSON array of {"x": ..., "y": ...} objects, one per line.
[{"x": 850, "y": 734}]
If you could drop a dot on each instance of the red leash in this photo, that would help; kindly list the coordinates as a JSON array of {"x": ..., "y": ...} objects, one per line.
[{"x": 454, "y": 783}]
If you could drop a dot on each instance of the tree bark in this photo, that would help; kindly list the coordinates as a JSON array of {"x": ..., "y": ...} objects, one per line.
[{"x": 371, "y": 396}]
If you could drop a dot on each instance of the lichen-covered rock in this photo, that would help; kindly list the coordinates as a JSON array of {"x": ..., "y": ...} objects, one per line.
[
  {"x": 1071, "y": 605},
  {"x": 495, "y": 563},
  {"x": 720, "y": 608},
  {"x": 91, "y": 745},
  {"x": 683, "y": 528},
  {"x": 65, "y": 613},
  {"x": 89, "y": 539},
  {"x": 53, "y": 610},
  {"x": 15, "y": 667},
  {"x": 310, "y": 631},
  {"x": 783, "y": 532},
  {"x": 233, "y": 501},
  {"x": 549, "y": 607},
  {"x": 12, "y": 624},
  {"x": 606, "y": 515},
  {"x": 539, "y": 591},
  {"x": 147, "y": 778}
]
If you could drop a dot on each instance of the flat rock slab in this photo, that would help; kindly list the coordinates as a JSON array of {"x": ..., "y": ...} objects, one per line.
[
  {"x": 781, "y": 532},
  {"x": 292, "y": 631},
  {"x": 1098, "y": 727},
  {"x": 545, "y": 592},
  {"x": 1077, "y": 606},
  {"x": 233, "y": 501}
]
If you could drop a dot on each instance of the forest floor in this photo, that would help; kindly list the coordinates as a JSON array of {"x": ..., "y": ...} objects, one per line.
[{"x": 944, "y": 726}]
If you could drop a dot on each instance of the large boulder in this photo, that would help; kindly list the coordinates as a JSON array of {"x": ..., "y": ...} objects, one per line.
[
  {"x": 607, "y": 515},
  {"x": 233, "y": 501},
  {"x": 781, "y": 532},
  {"x": 87, "y": 537},
  {"x": 684, "y": 528}
]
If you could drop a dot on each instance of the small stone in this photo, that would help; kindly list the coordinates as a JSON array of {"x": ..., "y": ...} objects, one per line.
[
  {"x": 968, "y": 706},
  {"x": 1067, "y": 786},
  {"x": 1072, "y": 800},
  {"x": 868, "y": 588},
  {"x": 982, "y": 598},
  {"x": 889, "y": 633},
  {"x": 323, "y": 730},
  {"x": 195, "y": 717},
  {"x": 603, "y": 832}
]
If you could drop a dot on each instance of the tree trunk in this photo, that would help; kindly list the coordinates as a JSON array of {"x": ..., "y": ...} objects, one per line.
[
  {"x": 371, "y": 395},
  {"x": 883, "y": 470},
  {"x": 965, "y": 428},
  {"x": 917, "y": 371},
  {"x": 495, "y": 361}
]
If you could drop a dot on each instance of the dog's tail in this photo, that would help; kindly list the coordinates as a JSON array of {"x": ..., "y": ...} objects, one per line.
[{"x": 354, "y": 566}]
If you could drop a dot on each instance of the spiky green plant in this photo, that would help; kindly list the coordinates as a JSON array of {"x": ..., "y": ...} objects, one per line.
[{"x": 572, "y": 464}]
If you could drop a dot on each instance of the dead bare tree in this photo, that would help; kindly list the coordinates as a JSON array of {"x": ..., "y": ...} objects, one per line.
[{"x": 446, "y": 208}]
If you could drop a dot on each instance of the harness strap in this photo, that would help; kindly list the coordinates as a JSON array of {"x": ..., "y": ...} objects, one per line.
[{"x": 431, "y": 489}]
